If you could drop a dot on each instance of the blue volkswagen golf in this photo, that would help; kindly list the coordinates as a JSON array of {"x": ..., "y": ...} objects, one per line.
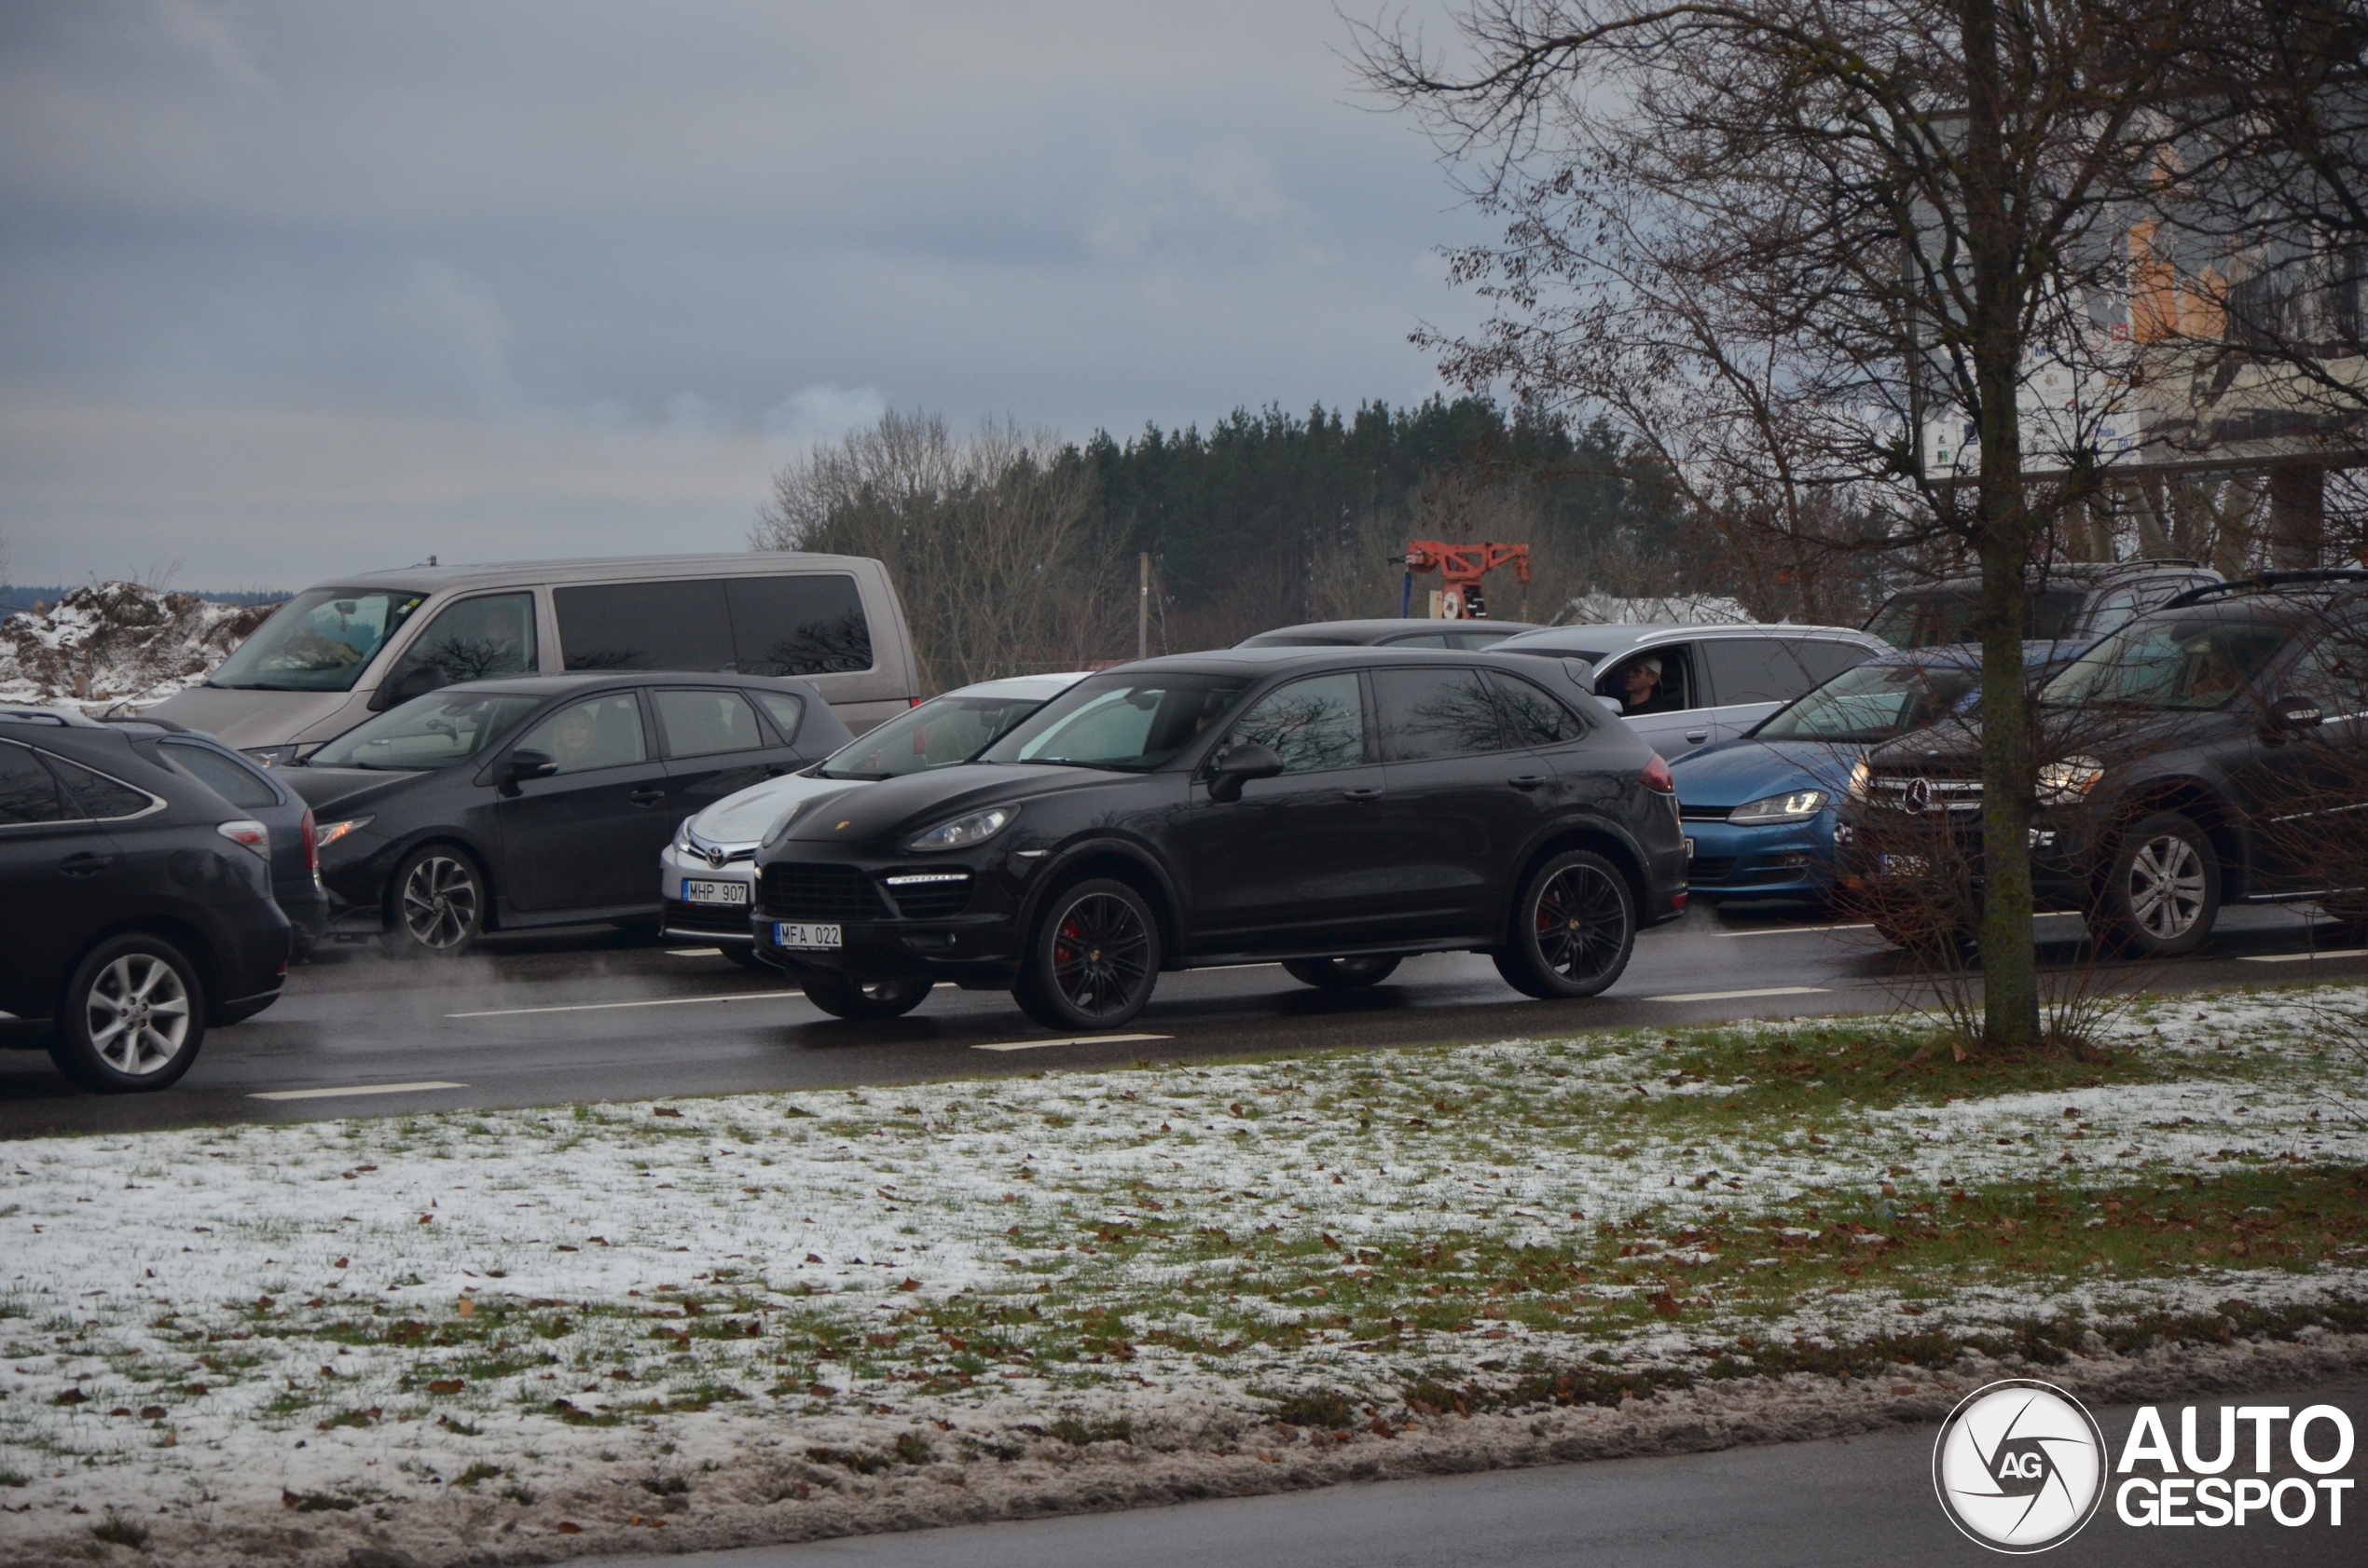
[{"x": 1758, "y": 810}]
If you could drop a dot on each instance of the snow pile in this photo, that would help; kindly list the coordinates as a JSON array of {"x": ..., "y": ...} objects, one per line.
[
  {"x": 114, "y": 642},
  {"x": 1686, "y": 610}
]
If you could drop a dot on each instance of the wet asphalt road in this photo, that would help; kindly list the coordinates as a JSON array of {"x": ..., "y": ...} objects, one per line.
[
  {"x": 600, "y": 1015},
  {"x": 1839, "y": 1504}
]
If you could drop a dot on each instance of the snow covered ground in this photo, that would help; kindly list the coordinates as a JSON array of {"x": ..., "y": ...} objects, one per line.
[
  {"x": 527, "y": 1321},
  {"x": 114, "y": 642}
]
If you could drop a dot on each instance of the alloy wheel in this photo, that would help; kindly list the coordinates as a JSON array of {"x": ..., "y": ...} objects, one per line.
[
  {"x": 1580, "y": 921},
  {"x": 138, "y": 1014},
  {"x": 1101, "y": 951},
  {"x": 2166, "y": 888},
  {"x": 440, "y": 902}
]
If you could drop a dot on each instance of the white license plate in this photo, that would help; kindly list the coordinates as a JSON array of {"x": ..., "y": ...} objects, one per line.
[
  {"x": 787, "y": 935},
  {"x": 715, "y": 892}
]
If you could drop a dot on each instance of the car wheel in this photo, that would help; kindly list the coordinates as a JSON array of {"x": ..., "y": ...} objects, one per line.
[
  {"x": 133, "y": 1018},
  {"x": 1342, "y": 974},
  {"x": 744, "y": 953},
  {"x": 1574, "y": 926},
  {"x": 861, "y": 999},
  {"x": 439, "y": 902},
  {"x": 2162, "y": 893},
  {"x": 1092, "y": 960}
]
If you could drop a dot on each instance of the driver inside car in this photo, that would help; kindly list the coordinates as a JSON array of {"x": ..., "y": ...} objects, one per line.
[{"x": 1641, "y": 687}]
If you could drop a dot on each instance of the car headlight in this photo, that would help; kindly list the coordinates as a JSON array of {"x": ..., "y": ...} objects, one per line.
[
  {"x": 1797, "y": 806},
  {"x": 963, "y": 831},
  {"x": 327, "y": 834},
  {"x": 1859, "y": 774},
  {"x": 2070, "y": 781}
]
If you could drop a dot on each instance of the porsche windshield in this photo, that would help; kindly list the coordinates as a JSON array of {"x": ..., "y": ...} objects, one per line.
[{"x": 1132, "y": 724}]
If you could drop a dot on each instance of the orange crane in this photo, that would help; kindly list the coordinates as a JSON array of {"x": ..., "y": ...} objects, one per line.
[{"x": 1463, "y": 566}]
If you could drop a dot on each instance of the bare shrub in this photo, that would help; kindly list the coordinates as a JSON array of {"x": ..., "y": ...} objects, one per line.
[{"x": 985, "y": 537}]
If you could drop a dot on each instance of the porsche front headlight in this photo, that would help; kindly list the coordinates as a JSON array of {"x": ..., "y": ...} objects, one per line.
[{"x": 963, "y": 831}]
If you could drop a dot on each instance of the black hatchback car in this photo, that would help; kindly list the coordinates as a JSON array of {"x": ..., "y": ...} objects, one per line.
[
  {"x": 539, "y": 801},
  {"x": 2208, "y": 752},
  {"x": 1335, "y": 809},
  {"x": 135, "y": 904}
]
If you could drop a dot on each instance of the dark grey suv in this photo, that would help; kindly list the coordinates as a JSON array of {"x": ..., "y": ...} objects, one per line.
[{"x": 135, "y": 904}]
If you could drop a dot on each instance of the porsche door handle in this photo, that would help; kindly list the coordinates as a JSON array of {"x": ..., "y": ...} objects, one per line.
[
  {"x": 1697, "y": 736},
  {"x": 647, "y": 794},
  {"x": 85, "y": 863},
  {"x": 1526, "y": 780},
  {"x": 1365, "y": 794}
]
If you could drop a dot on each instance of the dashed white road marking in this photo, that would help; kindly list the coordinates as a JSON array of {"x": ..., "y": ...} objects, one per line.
[
  {"x": 660, "y": 1001},
  {"x": 1076, "y": 1040},
  {"x": 353, "y": 1089},
  {"x": 2303, "y": 958},
  {"x": 1737, "y": 996}
]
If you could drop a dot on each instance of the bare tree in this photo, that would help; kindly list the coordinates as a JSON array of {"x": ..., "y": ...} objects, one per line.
[
  {"x": 1770, "y": 235},
  {"x": 986, "y": 538}
]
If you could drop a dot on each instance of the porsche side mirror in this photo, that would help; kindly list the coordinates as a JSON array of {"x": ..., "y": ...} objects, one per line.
[{"x": 1238, "y": 766}]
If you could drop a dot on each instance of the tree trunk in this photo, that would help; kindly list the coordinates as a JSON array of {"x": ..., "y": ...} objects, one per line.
[{"x": 2003, "y": 535}]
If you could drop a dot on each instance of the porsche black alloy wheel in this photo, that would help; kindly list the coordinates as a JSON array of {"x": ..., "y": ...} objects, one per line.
[
  {"x": 1094, "y": 959},
  {"x": 1574, "y": 926}
]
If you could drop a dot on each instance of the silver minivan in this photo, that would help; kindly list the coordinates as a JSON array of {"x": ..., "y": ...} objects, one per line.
[{"x": 337, "y": 653}]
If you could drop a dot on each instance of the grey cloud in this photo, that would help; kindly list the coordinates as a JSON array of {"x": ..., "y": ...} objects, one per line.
[{"x": 590, "y": 267}]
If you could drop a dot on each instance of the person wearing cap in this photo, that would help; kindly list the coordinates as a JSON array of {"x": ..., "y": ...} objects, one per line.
[{"x": 1642, "y": 691}]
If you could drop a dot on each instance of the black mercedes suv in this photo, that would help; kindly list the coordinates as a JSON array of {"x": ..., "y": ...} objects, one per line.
[
  {"x": 135, "y": 904},
  {"x": 1335, "y": 809},
  {"x": 2210, "y": 751}
]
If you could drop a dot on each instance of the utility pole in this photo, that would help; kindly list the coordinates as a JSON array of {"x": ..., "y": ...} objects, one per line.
[{"x": 1143, "y": 606}]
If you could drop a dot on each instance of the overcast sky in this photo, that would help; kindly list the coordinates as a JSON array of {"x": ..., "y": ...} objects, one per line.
[{"x": 295, "y": 289}]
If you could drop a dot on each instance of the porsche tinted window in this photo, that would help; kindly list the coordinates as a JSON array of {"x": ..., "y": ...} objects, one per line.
[{"x": 1436, "y": 713}]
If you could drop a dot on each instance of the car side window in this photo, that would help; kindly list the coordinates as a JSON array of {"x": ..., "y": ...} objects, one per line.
[
  {"x": 1656, "y": 681},
  {"x": 1315, "y": 726},
  {"x": 2332, "y": 672},
  {"x": 1529, "y": 716},
  {"x": 1757, "y": 668},
  {"x": 109, "y": 800},
  {"x": 231, "y": 780},
  {"x": 481, "y": 638},
  {"x": 787, "y": 710},
  {"x": 28, "y": 792},
  {"x": 1427, "y": 640},
  {"x": 597, "y": 732},
  {"x": 702, "y": 723},
  {"x": 1444, "y": 712}
]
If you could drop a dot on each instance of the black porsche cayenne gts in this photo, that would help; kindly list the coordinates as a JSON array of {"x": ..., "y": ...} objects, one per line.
[{"x": 1335, "y": 808}]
